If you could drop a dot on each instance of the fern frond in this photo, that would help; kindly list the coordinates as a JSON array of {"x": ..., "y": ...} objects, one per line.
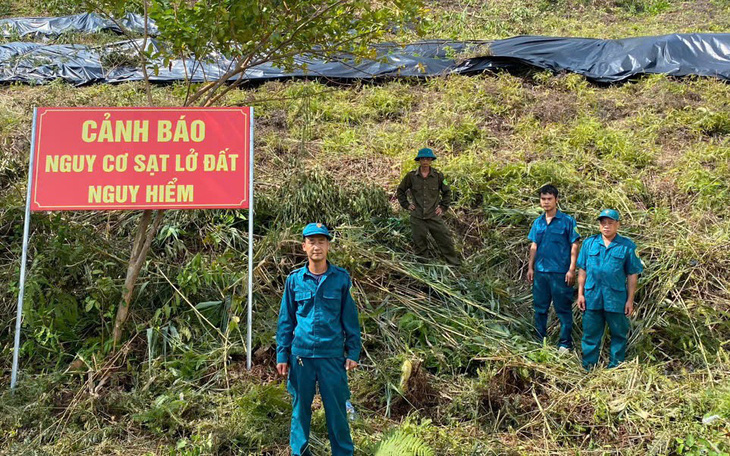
[{"x": 403, "y": 444}]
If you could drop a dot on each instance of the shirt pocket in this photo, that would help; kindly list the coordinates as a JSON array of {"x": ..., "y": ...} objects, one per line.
[
  {"x": 332, "y": 301},
  {"x": 558, "y": 235},
  {"x": 616, "y": 259},
  {"x": 562, "y": 228},
  {"x": 304, "y": 300},
  {"x": 615, "y": 262},
  {"x": 593, "y": 264}
]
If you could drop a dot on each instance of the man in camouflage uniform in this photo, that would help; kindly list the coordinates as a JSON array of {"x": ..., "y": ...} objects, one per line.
[{"x": 430, "y": 198}]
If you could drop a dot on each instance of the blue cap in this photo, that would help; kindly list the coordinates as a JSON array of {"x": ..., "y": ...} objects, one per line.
[
  {"x": 425, "y": 153},
  {"x": 314, "y": 229},
  {"x": 610, "y": 213}
]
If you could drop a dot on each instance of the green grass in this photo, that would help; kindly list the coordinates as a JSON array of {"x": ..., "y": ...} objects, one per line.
[{"x": 471, "y": 19}]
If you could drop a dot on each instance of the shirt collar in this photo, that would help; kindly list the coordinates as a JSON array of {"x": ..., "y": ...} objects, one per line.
[
  {"x": 430, "y": 172},
  {"x": 310, "y": 274},
  {"x": 558, "y": 215},
  {"x": 616, "y": 241}
]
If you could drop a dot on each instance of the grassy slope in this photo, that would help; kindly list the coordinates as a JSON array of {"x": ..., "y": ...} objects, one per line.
[{"x": 657, "y": 149}]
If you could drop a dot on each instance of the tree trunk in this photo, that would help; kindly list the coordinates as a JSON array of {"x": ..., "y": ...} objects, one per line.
[{"x": 142, "y": 242}]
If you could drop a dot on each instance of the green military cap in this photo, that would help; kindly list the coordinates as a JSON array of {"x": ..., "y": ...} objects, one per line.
[
  {"x": 314, "y": 229},
  {"x": 425, "y": 153},
  {"x": 610, "y": 213}
]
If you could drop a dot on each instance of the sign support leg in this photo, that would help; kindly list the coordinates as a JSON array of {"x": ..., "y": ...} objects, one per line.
[
  {"x": 24, "y": 259},
  {"x": 250, "y": 248}
]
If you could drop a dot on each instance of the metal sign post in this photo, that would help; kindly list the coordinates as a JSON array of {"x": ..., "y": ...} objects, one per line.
[
  {"x": 24, "y": 258},
  {"x": 250, "y": 250}
]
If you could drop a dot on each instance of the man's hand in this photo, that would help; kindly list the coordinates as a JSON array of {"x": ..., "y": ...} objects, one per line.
[
  {"x": 530, "y": 275},
  {"x": 439, "y": 211},
  {"x": 629, "y": 308},
  {"x": 350, "y": 365},
  {"x": 412, "y": 207},
  {"x": 570, "y": 277},
  {"x": 282, "y": 368},
  {"x": 582, "y": 303}
]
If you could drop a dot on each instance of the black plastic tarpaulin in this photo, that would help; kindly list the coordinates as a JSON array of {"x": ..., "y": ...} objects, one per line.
[
  {"x": 81, "y": 23},
  {"x": 604, "y": 61},
  {"x": 700, "y": 54}
]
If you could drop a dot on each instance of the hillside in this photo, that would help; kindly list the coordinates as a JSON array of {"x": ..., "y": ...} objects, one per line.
[{"x": 657, "y": 149}]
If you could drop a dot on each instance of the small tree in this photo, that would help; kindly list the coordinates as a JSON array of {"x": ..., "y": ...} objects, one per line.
[{"x": 250, "y": 33}]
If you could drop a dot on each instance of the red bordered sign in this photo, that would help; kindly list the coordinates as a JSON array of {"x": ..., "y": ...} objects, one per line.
[{"x": 141, "y": 158}]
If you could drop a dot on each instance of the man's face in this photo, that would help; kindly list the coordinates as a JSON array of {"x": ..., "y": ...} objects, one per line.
[
  {"x": 316, "y": 247},
  {"x": 608, "y": 226},
  {"x": 548, "y": 202},
  {"x": 425, "y": 162}
]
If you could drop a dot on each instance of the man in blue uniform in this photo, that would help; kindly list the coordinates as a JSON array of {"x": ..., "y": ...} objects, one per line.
[
  {"x": 551, "y": 268},
  {"x": 609, "y": 272},
  {"x": 318, "y": 341}
]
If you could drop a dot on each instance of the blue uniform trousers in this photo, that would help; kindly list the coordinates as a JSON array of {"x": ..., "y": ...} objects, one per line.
[
  {"x": 594, "y": 324},
  {"x": 330, "y": 374},
  {"x": 547, "y": 287}
]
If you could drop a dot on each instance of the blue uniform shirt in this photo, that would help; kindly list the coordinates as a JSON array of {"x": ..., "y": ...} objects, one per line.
[
  {"x": 606, "y": 271},
  {"x": 318, "y": 318},
  {"x": 554, "y": 242}
]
